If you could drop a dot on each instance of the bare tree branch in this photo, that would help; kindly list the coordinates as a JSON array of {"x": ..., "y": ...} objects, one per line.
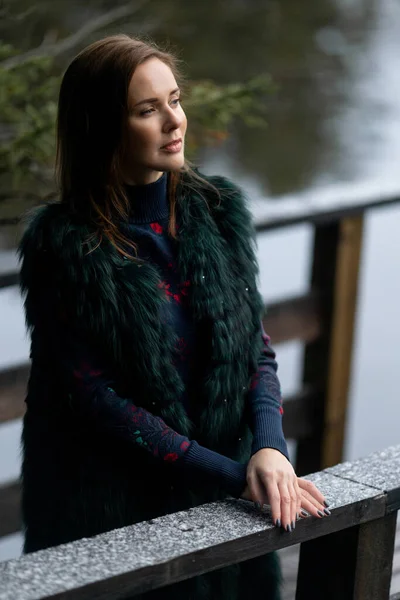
[
  {"x": 25, "y": 196},
  {"x": 71, "y": 41},
  {"x": 49, "y": 38},
  {"x": 27, "y": 13},
  {"x": 9, "y": 222}
]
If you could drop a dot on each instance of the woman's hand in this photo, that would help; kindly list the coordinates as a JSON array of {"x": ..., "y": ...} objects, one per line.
[{"x": 271, "y": 480}]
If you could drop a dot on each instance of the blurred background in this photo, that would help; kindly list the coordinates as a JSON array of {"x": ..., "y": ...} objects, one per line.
[{"x": 297, "y": 102}]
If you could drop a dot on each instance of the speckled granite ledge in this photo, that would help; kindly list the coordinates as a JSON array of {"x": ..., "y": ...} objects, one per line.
[
  {"x": 168, "y": 549},
  {"x": 380, "y": 471}
]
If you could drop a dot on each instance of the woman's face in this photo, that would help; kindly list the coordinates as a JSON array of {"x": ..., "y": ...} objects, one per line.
[{"x": 155, "y": 119}]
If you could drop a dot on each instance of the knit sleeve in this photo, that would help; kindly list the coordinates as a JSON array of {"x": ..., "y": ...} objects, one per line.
[
  {"x": 121, "y": 417},
  {"x": 265, "y": 402}
]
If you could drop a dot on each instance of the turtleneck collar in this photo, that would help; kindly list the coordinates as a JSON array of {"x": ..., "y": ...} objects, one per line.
[{"x": 148, "y": 202}]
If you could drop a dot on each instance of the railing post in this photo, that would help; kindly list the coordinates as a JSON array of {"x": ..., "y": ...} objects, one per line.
[
  {"x": 352, "y": 564},
  {"x": 327, "y": 362}
]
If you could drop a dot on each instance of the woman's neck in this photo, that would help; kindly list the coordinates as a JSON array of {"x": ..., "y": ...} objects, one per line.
[
  {"x": 144, "y": 178},
  {"x": 149, "y": 202}
]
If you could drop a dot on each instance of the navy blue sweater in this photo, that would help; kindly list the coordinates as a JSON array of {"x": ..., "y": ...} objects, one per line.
[{"x": 148, "y": 228}]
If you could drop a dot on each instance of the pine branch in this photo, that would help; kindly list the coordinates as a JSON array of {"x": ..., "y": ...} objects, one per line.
[{"x": 55, "y": 49}]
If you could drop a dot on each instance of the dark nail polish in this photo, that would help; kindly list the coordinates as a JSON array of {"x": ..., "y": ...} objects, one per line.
[
  {"x": 297, "y": 516},
  {"x": 293, "y": 524},
  {"x": 257, "y": 505},
  {"x": 326, "y": 504},
  {"x": 288, "y": 528},
  {"x": 327, "y": 512},
  {"x": 321, "y": 514},
  {"x": 303, "y": 513},
  {"x": 278, "y": 523}
]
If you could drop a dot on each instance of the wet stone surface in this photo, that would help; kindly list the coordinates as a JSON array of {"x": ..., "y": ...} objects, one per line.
[
  {"x": 380, "y": 470},
  {"x": 150, "y": 543},
  {"x": 337, "y": 491},
  {"x": 157, "y": 541}
]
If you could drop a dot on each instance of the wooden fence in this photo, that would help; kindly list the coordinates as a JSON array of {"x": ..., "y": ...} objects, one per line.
[
  {"x": 323, "y": 319},
  {"x": 346, "y": 556}
]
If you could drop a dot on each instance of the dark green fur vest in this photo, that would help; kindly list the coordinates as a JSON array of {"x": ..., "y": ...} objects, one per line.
[{"x": 75, "y": 482}]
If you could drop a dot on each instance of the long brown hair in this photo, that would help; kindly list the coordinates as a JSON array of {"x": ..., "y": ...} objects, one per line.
[{"x": 92, "y": 109}]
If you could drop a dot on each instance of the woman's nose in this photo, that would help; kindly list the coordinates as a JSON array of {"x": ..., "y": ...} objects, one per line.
[{"x": 173, "y": 120}]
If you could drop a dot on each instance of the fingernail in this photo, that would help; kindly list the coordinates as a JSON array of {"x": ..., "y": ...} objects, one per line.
[
  {"x": 278, "y": 522},
  {"x": 327, "y": 512},
  {"x": 293, "y": 525},
  {"x": 321, "y": 514},
  {"x": 288, "y": 528},
  {"x": 257, "y": 505},
  {"x": 326, "y": 504},
  {"x": 297, "y": 516},
  {"x": 303, "y": 513}
]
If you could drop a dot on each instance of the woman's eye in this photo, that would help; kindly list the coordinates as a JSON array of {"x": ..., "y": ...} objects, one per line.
[{"x": 150, "y": 110}]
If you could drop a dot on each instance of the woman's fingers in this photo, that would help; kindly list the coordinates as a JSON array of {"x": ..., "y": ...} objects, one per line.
[
  {"x": 312, "y": 499},
  {"x": 293, "y": 504},
  {"x": 287, "y": 498},
  {"x": 286, "y": 508},
  {"x": 299, "y": 497},
  {"x": 315, "y": 509},
  {"x": 278, "y": 501},
  {"x": 274, "y": 500},
  {"x": 284, "y": 501},
  {"x": 257, "y": 491},
  {"x": 310, "y": 488}
]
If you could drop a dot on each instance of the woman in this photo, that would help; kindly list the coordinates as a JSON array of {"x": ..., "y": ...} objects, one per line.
[{"x": 153, "y": 386}]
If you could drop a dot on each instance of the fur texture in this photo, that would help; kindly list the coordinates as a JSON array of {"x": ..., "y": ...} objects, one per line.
[{"x": 77, "y": 484}]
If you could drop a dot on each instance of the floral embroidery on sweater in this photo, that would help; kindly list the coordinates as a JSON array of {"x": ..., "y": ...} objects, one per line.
[
  {"x": 141, "y": 426},
  {"x": 157, "y": 228},
  {"x": 182, "y": 290}
]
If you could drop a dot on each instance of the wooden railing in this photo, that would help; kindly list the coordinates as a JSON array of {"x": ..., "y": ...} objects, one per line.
[
  {"x": 323, "y": 319},
  {"x": 346, "y": 556}
]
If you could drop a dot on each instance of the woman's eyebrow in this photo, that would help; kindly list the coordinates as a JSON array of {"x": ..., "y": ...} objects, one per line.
[{"x": 149, "y": 100}]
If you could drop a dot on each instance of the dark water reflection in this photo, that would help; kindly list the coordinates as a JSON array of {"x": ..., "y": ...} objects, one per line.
[{"x": 308, "y": 47}]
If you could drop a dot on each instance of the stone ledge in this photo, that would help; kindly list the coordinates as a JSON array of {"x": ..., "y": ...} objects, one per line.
[{"x": 180, "y": 545}]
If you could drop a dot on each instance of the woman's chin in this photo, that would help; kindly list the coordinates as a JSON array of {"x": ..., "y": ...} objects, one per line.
[{"x": 172, "y": 162}]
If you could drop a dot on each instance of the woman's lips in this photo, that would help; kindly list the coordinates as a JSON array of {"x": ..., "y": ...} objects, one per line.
[{"x": 173, "y": 147}]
